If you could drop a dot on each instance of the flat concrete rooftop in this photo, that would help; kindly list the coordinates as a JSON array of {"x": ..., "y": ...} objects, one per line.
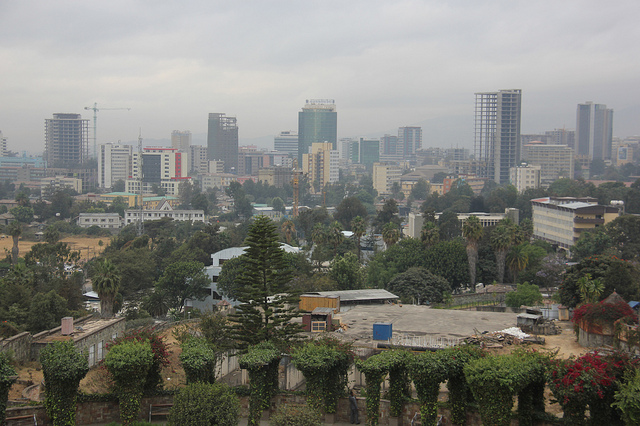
[{"x": 420, "y": 322}]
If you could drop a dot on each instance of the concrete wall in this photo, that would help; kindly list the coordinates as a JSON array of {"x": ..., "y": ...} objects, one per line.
[
  {"x": 469, "y": 298},
  {"x": 19, "y": 345}
]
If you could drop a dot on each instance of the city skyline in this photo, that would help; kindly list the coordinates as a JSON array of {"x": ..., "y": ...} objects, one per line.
[{"x": 430, "y": 59}]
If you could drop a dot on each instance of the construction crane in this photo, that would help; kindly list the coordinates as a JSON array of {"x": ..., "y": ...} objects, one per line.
[{"x": 95, "y": 110}]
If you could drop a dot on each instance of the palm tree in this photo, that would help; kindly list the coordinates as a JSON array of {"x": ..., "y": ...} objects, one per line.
[
  {"x": 472, "y": 231},
  {"x": 390, "y": 234},
  {"x": 430, "y": 234},
  {"x": 359, "y": 228},
  {"x": 289, "y": 229},
  {"x": 15, "y": 230},
  {"x": 106, "y": 282},
  {"x": 517, "y": 260},
  {"x": 501, "y": 241},
  {"x": 318, "y": 234},
  {"x": 590, "y": 290},
  {"x": 336, "y": 236}
]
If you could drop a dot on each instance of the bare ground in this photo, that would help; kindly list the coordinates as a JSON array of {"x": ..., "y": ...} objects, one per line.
[{"x": 88, "y": 246}]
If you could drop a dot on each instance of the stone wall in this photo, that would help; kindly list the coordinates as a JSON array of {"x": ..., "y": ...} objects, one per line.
[
  {"x": 471, "y": 298},
  {"x": 19, "y": 345}
]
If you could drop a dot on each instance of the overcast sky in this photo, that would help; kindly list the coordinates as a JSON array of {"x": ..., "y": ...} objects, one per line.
[{"x": 386, "y": 63}]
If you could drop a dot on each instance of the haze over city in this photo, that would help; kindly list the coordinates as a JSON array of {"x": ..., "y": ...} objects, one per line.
[{"x": 386, "y": 64}]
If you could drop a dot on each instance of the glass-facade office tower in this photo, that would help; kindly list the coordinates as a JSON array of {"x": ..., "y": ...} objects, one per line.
[
  {"x": 497, "y": 133},
  {"x": 594, "y": 131},
  {"x": 222, "y": 140},
  {"x": 66, "y": 140},
  {"x": 317, "y": 123}
]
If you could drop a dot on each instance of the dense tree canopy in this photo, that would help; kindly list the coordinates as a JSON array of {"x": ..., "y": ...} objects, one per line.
[{"x": 418, "y": 285}]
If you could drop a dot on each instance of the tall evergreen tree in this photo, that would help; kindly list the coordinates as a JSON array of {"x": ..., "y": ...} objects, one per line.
[
  {"x": 267, "y": 302},
  {"x": 472, "y": 231}
]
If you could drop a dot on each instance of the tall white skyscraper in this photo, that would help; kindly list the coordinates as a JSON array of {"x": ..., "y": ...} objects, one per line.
[
  {"x": 497, "y": 132},
  {"x": 114, "y": 163}
]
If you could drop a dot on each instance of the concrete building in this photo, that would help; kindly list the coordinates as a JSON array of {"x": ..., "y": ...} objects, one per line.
[
  {"x": 217, "y": 180},
  {"x": 215, "y": 167},
  {"x": 161, "y": 211},
  {"x": 561, "y": 137},
  {"x": 475, "y": 183},
  {"x": 275, "y": 176},
  {"x": 181, "y": 140},
  {"x": 66, "y": 140},
  {"x": 110, "y": 221},
  {"x": 525, "y": 176},
  {"x": 555, "y": 161},
  {"x": 317, "y": 123},
  {"x": 390, "y": 149},
  {"x": 287, "y": 142},
  {"x": 250, "y": 160},
  {"x": 497, "y": 132},
  {"x": 384, "y": 175},
  {"x": 594, "y": 131},
  {"x": 416, "y": 220},
  {"x": 222, "y": 140},
  {"x": 321, "y": 165},
  {"x": 561, "y": 220},
  {"x": 163, "y": 167},
  {"x": 49, "y": 185},
  {"x": 409, "y": 141},
  {"x": 198, "y": 160},
  {"x": 114, "y": 164},
  {"x": 3, "y": 145}
]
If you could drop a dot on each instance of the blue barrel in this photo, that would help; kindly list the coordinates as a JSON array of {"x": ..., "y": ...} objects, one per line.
[{"x": 382, "y": 331}]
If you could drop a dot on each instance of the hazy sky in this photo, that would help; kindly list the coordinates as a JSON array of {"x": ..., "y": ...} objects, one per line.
[{"x": 386, "y": 63}]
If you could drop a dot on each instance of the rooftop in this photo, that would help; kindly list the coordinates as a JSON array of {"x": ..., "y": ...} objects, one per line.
[{"x": 357, "y": 295}]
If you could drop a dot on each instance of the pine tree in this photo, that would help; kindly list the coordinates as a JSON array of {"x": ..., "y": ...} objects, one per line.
[{"x": 267, "y": 303}]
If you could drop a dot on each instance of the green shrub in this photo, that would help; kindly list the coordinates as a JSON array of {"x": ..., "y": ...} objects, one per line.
[
  {"x": 63, "y": 367},
  {"x": 295, "y": 415},
  {"x": 262, "y": 362},
  {"x": 428, "y": 370},
  {"x": 129, "y": 363},
  {"x": 198, "y": 361},
  {"x": 627, "y": 399},
  {"x": 203, "y": 404},
  {"x": 7, "y": 378}
]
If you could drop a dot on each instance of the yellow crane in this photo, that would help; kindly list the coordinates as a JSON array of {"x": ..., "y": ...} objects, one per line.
[{"x": 95, "y": 110}]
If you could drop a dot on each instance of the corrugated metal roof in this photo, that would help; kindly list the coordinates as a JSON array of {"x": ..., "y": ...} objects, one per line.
[{"x": 358, "y": 295}]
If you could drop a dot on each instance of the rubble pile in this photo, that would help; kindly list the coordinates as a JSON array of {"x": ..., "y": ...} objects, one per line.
[{"x": 498, "y": 339}]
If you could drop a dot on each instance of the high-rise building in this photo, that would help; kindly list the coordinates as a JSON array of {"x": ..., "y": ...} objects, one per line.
[
  {"x": 114, "y": 164},
  {"x": 3, "y": 145},
  {"x": 594, "y": 131},
  {"x": 162, "y": 167},
  {"x": 321, "y": 165},
  {"x": 384, "y": 176},
  {"x": 525, "y": 176},
  {"x": 287, "y": 142},
  {"x": 66, "y": 140},
  {"x": 409, "y": 141},
  {"x": 222, "y": 140},
  {"x": 317, "y": 123},
  {"x": 369, "y": 151},
  {"x": 561, "y": 137},
  {"x": 497, "y": 132},
  {"x": 181, "y": 140},
  {"x": 198, "y": 163}
]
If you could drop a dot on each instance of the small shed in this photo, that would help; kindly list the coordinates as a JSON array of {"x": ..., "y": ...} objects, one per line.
[
  {"x": 319, "y": 320},
  {"x": 527, "y": 322}
]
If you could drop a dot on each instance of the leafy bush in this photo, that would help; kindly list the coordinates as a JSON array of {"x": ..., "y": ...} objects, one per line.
[
  {"x": 129, "y": 363},
  {"x": 7, "y": 379},
  {"x": 294, "y": 415},
  {"x": 459, "y": 393},
  {"x": 198, "y": 361},
  {"x": 526, "y": 294},
  {"x": 205, "y": 404},
  {"x": 428, "y": 371},
  {"x": 262, "y": 362},
  {"x": 160, "y": 354},
  {"x": 628, "y": 399},
  {"x": 63, "y": 367}
]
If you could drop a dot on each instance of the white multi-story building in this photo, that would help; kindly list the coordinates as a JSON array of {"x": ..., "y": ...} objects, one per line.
[
  {"x": 111, "y": 221},
  {"x": 114, "y": 164},
  {"x": 198, "y": 162},
  {"x": 163, "y": 210},
  {"x": 555, "y": 161},
  {"x": 163, "y": 167},
  {"x": 384, "y": 175},
  {"x": 416, "y": 220},
  {"x": 525, "y": 176},
  {"x": 561, "y": 220},
  {"x": 53, "y": 183},
  {"x": 3, "y": 145},
  {"x": 287, "y": 142}
]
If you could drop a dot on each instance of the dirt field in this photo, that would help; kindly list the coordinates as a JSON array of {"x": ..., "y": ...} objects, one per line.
[{"x": 88, "y": 246}]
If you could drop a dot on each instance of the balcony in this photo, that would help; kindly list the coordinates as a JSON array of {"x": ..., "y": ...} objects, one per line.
[{"x": 589, "y": 220}]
